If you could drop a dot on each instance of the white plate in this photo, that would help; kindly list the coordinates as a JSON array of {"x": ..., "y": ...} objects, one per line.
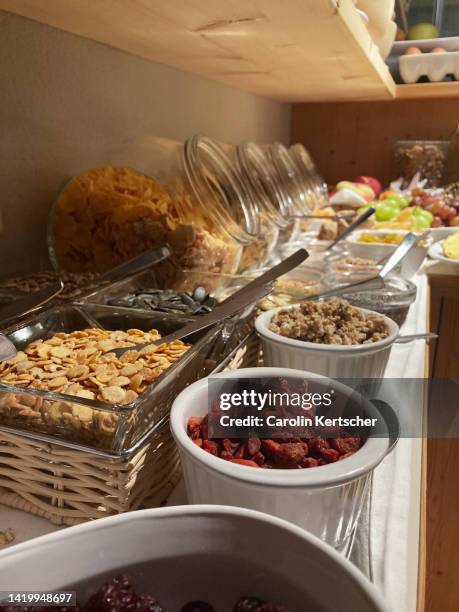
[
  {"x": 438, "y": 233},
  {"x": 436, "y": 252}
]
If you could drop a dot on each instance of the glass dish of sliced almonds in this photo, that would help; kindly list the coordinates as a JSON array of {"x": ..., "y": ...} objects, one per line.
[{"x": 66, "y": 385}]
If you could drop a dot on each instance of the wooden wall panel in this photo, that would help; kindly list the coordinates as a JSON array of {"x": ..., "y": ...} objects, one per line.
[
  {"x": 442, "y": 500},
  {"x": 348, "y": 139}
]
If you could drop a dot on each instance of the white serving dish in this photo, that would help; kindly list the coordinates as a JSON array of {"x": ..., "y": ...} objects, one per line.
[
  {"x": 325, "y": 501},
  {"x": 436, "y": 252},
  {"x": 378, "y": 251},
  {"x": 434, "y": 66},
  {"x": 335, "y": 361},
  {"x": 372, "y": 250},
  {"x": 194, "y": 552}
]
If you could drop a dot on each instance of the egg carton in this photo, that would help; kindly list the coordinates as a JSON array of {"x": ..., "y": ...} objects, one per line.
[{"x": 434, "y": 66}]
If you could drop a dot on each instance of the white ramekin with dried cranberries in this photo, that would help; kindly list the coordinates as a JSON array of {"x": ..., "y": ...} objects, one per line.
[{"x": 324, "y": 500}]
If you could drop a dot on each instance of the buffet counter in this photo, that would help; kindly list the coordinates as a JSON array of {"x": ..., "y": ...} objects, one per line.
[{"x": 387, "y": 542}]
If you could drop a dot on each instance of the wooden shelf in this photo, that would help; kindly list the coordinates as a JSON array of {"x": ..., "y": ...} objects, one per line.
[
  {"x": 298, "y": 50},
  {"x": 419, "y": 91}
]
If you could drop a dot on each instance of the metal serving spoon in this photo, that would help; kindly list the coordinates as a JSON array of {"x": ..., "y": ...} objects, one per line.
[{"x": 421, "y": 336}]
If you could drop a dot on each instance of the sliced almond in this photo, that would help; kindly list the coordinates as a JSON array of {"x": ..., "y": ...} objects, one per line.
[
  {"x": 129, "y": 370},
  {"x": 114, "y": 395},
  {"x": 119, "y": 381},
  {"x": 57, "y": 382},
  {"x": 60, "y": 352}
]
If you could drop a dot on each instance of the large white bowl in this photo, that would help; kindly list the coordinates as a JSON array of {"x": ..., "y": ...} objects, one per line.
[
  {"x": 325, "y": 500},
  {"x": 210, "y": 553},
  {"x": 333, "y": 360}
]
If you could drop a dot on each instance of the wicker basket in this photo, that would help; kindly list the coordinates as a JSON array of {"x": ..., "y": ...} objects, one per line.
[{"x": 69, "y": 486}]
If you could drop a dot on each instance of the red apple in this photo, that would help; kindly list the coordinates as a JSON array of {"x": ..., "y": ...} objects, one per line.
[{"x": 372, "y": 182}]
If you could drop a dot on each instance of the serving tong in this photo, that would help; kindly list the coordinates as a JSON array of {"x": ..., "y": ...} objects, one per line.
[{"x": 252, "y": 292}]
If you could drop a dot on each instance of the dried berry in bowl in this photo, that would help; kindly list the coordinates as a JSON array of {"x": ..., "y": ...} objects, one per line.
[
  {"x": 119, "y": 595},
  {"x": 288, "y": 452}
]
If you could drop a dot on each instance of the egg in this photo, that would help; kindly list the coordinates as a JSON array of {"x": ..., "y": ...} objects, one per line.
[
  {"x": 438, "y": 50},
  {"x": 413, "y": 51}
]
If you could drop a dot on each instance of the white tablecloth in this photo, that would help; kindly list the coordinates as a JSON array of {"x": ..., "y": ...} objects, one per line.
[
  {"x": 395, "y": 505},
  {"x": 395, "y": 510}
]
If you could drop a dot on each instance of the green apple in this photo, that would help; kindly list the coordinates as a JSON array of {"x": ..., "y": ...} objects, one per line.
[{"x": 421, "y": 31}]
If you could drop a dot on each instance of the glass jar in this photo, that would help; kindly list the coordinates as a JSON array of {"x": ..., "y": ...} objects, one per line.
[
  {"x": 189, "y": 195},
  {"x": 260, "y": 174},
  {"x": 301, "y": 202},
  {"x": 314, "y": 183},
  {"x": 256, "y": 254},
  {"x": 426, "y": 157}
]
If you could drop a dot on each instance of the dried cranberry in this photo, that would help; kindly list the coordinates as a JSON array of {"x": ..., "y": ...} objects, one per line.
[
  {"x": 230, "y": 446},
  {"x": 253, "y": 604},
  {"x": 197, "y": 606},
  {"x": 316, "y": 445},
  {"x": 194, "y": 426},
  {"x": 205, "y": 427},
  {"x": 240, "y": 452},
  {"x": 248, "y": 604},
  {"x": 259, "y": 458},
  {"x": 309, "y": 462},
  {"x": 118, "y": 595},
  {"x": 346, "y": 455},
  {"x": 345, "y": 445},
  {"x": 305, "y": 446},
  {"x": 147, "y": 603},
  {"x": 253, "y": 445},
  {"x": 114, "y": 596},
  {"x": 210, "y": 446},
  {"x": 330, "y": 455},
  {"x": 270, "y": 447},
  {"x": 247, "y": 462},
  {"x": 289, "y": 455}
]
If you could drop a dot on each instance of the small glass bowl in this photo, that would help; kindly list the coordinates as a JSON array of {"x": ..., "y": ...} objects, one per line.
[
  {"x": 344, "y": 262},
  {"x": 393, "y": 300}
]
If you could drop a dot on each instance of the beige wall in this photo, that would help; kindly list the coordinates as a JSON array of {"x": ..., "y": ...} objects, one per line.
[{"x": 66, "y": 100}]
